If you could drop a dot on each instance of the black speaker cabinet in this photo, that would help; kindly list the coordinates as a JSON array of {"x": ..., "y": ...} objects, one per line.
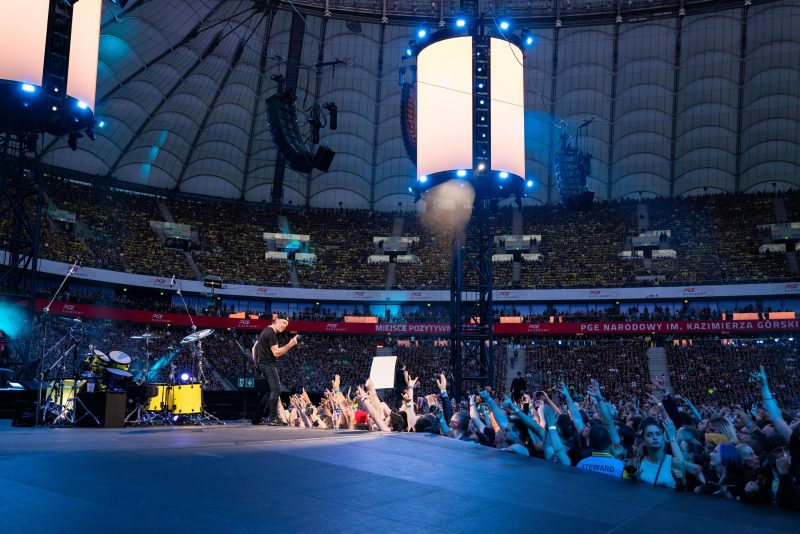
[
  {"x": 108, "y": 407},
  {"x": 323, "y": 158}
]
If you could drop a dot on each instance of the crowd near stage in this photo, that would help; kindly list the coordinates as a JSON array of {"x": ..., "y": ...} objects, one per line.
[{"x": 239, "y": 477}]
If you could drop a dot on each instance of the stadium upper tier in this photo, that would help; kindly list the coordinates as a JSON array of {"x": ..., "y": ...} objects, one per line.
[
  {"x": 683, "y": 100},
  {"x": 715, "y": 239}
]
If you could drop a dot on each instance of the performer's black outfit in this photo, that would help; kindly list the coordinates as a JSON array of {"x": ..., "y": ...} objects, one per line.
[{"x": 266, "y": 340}]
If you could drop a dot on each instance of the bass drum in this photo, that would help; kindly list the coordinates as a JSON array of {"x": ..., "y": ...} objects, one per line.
[
  {"x": 158, "y": 403},
  {"x": 187, "y": 399}
]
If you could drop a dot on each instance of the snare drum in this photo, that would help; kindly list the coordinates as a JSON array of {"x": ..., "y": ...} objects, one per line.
[
  {"x": 116, "y": 379},
  {"x": 119, "y": 360}
]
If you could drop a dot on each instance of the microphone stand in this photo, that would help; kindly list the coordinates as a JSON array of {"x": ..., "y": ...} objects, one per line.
[{"x": 45, "y": 320}]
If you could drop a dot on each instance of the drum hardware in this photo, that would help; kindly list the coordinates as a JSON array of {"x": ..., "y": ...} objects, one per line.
[
  {"x": 141, "y": 411},
  {"x": 45, "y": 320},
  {"x": 119, "y": 360},
  {"x": 202, "y": 415},
  {"x": 62, "y": 393}
]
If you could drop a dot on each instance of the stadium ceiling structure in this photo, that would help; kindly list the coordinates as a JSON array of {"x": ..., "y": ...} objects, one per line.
[{"x": 685, "y": 97}]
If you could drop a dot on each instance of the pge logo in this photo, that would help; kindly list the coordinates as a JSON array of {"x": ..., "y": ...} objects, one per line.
[
  {"x": 504, "y": 293},
  {"x": 244, "y": 323},
  {"x": 262, "y": 290},
  {"x": 792, "y": 288},
  {"x": 533, "y": 328},
  {"x": 594, "y": 292},
  {"x": 158, "y": 318},
  {"x": 68, "y": 308},
  {"x": 333, "y": 327},
  {"x": 689, "y": 290},
  {"x": 415, "y": 294}
]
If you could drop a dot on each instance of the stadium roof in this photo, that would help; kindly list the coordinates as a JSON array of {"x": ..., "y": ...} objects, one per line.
[{"x": 705, "y": 101}]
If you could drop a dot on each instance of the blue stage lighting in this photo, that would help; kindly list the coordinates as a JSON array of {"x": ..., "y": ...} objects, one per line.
[
  {"x": 504, "y": 25},
  {"x": 461, "y": 173},
  {"x": 529, "y": 40},
  {"x": 529, "y": 183},
  {"x": 82, "y": 105},
  {"x": 503, "y": 175},
  {"x": 480, "y": 86},
  {"x": 460, "y": 23},
  {"x": 422, "y": 179},
  {"x": 408, "y": 52},
  {"x": 184, "y": 377},
  {"x": 421, "y": 33},
  {"x": 410, "y": 190},
  {"x": 28, "y": 88},
  {"x": 101, "y": 124}
]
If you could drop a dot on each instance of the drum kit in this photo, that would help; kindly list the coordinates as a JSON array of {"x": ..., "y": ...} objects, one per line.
[{"x": 98, "y": 371}]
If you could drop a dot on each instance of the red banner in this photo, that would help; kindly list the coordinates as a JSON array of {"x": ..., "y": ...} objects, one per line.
[{"x": 85, "y": 311}]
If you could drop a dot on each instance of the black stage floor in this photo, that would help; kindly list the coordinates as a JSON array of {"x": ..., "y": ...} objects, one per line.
[{"x": 261, "y": 479}]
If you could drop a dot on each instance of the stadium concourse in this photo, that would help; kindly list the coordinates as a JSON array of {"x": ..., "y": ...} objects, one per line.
[{"x": 238, "y": 294}]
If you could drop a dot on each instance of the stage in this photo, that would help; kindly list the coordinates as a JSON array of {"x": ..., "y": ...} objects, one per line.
[{"x": 238, "y": 477}]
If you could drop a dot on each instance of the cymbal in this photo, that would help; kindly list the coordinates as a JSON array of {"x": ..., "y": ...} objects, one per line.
[
  {"x": 197, "y": 336},
  {"x": 146, "y": 336}
]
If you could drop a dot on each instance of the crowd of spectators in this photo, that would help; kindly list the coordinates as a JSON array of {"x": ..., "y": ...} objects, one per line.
[
  {"x": 714, "y": 373},
  {"x": 715, "y": 237}
]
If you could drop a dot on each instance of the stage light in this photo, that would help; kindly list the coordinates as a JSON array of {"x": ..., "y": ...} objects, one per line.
[
  {"x": 504, "y": 25},
  {"x": 482, "y": 102},
  {"x": 55, "y": 108},
  {"x": 410, "y": 190},
  {"x": 184, "y": 377},
  {"x": 503, "y": 175},
  {"x": 529, "y": 183},
  {"x": 461, "y": 173},
  {"x": 101, "y": 124},
  {"x": 529, "y": 40},
  {"x": 481, "y": 166},
  {"x": 28, "y": 88},
  {"x": 480, "y": 86},
  {"x": 422, "y": 179},
  {"x": 82, "y": 105},
  {"x": 460, "y": 23},
  {"x": 409, "y": 51},
  {"x": 421, "y": 33}
]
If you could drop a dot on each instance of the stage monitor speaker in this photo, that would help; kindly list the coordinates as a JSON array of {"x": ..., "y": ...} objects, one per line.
[
  {"x": 108, "y": 407},
  {"x": 282, "y": 119},
  {"x": 323, "y": 158}
]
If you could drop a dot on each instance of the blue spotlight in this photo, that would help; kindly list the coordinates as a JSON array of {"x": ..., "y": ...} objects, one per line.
[
  {"x": 504, "y": 25},
  {"x": 480, "y": 86},
  {"x": 529, "y": 40},
  {"x": 28, "y": 88},
  {"x": 82, "y": 105},
  {"x": 421, "y": 33},
  {"x": 460, "y": 23},
  {"x": 422, "y": 179},
  {"x": 101, "y": 124},
  {"x": 529, "y": 183},
  {"x": 184, "y": 377},
  {"x": 409, "y": 51},
  {"x": 410, "y": 190},
  {"x": 461, "y": 173},
  {"x": 503, "y": 175}
]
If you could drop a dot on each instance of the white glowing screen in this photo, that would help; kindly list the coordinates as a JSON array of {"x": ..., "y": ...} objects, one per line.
[
  {"x": 444, "y": 106},
  {"x": 23, "y": 29},
  {"x": 508, "y": 108},
  {"x": 23, "y": 35},
  {"x": 83, "y": 50}
]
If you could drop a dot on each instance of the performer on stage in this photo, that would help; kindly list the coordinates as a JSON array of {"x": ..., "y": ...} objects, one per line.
[{"x": 267, "y": 351}]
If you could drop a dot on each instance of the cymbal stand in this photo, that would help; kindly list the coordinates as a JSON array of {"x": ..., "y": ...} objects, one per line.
[
  {"x": 143, "y": 416},
  {"x": 46, "y": 316},
  {"x": 204, "y": 415}
]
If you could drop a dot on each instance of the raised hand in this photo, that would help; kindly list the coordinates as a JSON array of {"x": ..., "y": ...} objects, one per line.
[
  {"x": 360, "y": 393},
  {"x": 484, "y": 395},
  {"x": 562, "y": 388},
  {"x": 508, "y": 403},
  {"x": 369, "y": 385},
  {"x": 550, "y": 416},
  {"x": 411, "y": 382},
  {"x": 336, "y": 382},
  {"x": 669, "y": 429},
  {"x": 760, "y": 376},
  {"x": 441, "y": 382}
]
